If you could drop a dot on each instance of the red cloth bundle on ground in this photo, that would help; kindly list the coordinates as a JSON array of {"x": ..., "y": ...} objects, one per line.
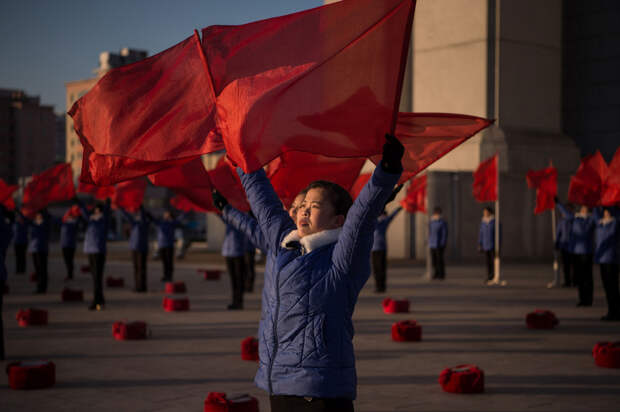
[
  {"x": 406, "y": 331},
  {"x": 210, "y": 274},
  {"x": 31, "y": 375},
  {"x": 85, "y": 268},
  {"x": 249, "y": 349},
  {"x": 462, "y": 379},
  {"x": 175, "y": 287},
  {"x": 129, "y": 331},
  {"x": 31, "y": 317},
  {"x": 607, "y": 354},
  {"x": 395, "y": 306},
  {"x": 175, "y": 304},
  {"x": 72, "y": 295},
  {"x": 541, "y": 319},
  {"x": 218, "y": 402},
  {"x": 33, "y": 277},
  {"x": 113, "y": 282}
]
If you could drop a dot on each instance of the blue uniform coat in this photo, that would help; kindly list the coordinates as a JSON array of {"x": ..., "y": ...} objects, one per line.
[
  {"x": 235, "y": 242},
  {"x": 581, "y": 232},
  {"x": 486, "y": 236},
  {"x": 437, "y": 233},
  {"x": 68, "y": 233},
  {"x": 20, "y": 232},
  {"x": 139, "y": 236},
  {"x": 379, "y": 238},
  {"x": 562, "y": 234},
  {"x": 606, "y": 237},
  {"x": 39, "y": 235},
  {"x": 96, "y": 236}
]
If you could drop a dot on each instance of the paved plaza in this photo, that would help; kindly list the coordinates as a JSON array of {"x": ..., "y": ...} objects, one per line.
[{"x": 192, "y": 353}]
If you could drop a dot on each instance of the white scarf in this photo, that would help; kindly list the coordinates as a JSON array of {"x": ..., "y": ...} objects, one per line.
[{"x": 313, "y": 241}]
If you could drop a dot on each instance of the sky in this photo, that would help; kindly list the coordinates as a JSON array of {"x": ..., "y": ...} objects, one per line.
[{"x": 45, "y": 43}]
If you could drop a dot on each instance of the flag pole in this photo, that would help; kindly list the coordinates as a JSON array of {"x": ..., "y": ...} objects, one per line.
[
  {"x": 496, "y": 262},
  {"x": 556, "y": 268},
  {"x": 428, "y": 275}
]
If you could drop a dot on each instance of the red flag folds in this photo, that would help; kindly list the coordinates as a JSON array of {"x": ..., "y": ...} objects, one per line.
[
  {"x": 485, "y": 181},
  {"x": 586, "y": 186},
  {"x": 99, "y": 192},
  {"x": 53, "y": 185},
  {"x": 6, "y": 194},
  {"x": 359, "y": 184},
  {"x": 129, "y": 195},
  {"x": 611, "y": 189},
  {"x": 545, "y": 182},
  {"x": 185, "y": 205},
  {"x": 415, "y": 200}
]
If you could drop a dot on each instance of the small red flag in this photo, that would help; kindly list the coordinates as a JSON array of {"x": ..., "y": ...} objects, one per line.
[
  {"x": 611, "y": 189},
  {"x": 415, "y": 199},
  {"x": 98, "y": 192},
  {"x": 184, "y": 204},
  {"x": 545, "y": 181},
  {"x": 6, "y": 192},
  {"x": 484, "y": 187},
  {"x": 586, "y": 186},
  {"x": 53, "y": 185},
  {"x": 128, "y": 195}
]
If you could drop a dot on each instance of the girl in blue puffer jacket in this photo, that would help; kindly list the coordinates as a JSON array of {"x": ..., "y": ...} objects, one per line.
[{"x": 319, "y": 268}]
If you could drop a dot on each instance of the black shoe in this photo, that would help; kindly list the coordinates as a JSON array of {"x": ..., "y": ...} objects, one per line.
[
  {"x": 38, "y": 292},
  {"x": 583, "y": 304},
  {"x": 235, "y": 306},
  {"x": 611, "y": 318}
]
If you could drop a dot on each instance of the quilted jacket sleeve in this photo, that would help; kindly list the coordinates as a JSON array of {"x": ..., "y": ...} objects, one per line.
[
  {"x": 272, "y": 219},
  {"x": 246, "y": 225},
  {"x": 351, "y": 254}
]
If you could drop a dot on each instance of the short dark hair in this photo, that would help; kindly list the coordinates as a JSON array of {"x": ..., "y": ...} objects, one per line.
[
  {"x": 339, "y": 198},
  {"x": 489, "y": 209},
  {"x": 437, "y": 210},
  {"x": 99, "y": 206}
]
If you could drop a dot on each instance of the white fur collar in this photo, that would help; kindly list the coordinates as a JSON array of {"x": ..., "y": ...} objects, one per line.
[
  {"x": 313, "y": 241},
  {"x": 604, "y": 221},
  {"x": 582, "y": 215}
]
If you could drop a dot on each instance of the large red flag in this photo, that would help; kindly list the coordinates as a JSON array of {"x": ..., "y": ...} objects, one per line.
[
  {"x": 415, "y": 199},
  {"x": 6, "y": 191},
  {"x": 53, "y": 185},
  {"x": 545, "y": 181},
  {"x": 326, "y": 80},
  {"x": 128, "y": 195},
  {"x": 611, "y": 189},
  {"x": 184, "y": 204},
  {"x": 141, "y": 116},
  {"x": 484, "y": 187},
  {"x": 359, "y": 184},
  {"x": 98, "y": 192},
  {"x": 226, "y": 180},
  {"x": 296, "y": 170},
  {"x": 586, "y": 186}
]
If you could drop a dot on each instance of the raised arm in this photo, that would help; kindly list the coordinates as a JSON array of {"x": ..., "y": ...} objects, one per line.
[
  {"x": 392, "y": 215},
  {"x": 564, "y": 211},
  {"x": 128, "y": 216},
  {"x": 246, "y": 225},
  {"x": 272, "y": 219}
]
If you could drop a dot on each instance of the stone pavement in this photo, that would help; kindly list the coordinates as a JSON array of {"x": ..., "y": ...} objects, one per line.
[{"x": 192, "y": 353}]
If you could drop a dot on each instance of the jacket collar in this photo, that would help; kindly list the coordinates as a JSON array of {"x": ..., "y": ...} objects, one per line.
[
  {"x": 604, "y": 221},
  {"x": 488, "y": 219},
  {"x": 310, "y": 242}
]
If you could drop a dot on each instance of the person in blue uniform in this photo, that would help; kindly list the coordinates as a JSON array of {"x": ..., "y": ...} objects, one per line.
[
  {"x": 95, "y": 247},
  {"x": 606, "y": 255},
  {"x": 234, "y": 249},
  {"x": 139, "y": 245},
  {"x": 38, "y": 247},
  {"x": 20, "y": 243},
  {"x": 320, "y": 265},
  {"x": 486, "y": 240},
  {"x": 68, "y": 240},
  {"x": 563, "y": 244},
  {"x": 165, "y": 241},
  {"x": 582, "y": 248},
  {"x": 6, "y": 232},
  {"x": 437, "y": 240},
  {"x": 379, "y": 249}
]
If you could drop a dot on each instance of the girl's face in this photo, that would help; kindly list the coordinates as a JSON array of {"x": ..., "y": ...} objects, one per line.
[
  {"x": 292, "y": 212},
  {"x": 583, "y": 210},
  {"x": 317, "y": 213},
  {"x": 606, "y": 214}
]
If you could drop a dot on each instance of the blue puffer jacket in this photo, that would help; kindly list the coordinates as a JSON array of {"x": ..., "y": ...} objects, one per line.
[
  {"x": 379, "y": 240},
  {"x": 582, "y": 231},
  {"x": 306, "y": 332},
  {"x": 68, "y": 233},
  {"x": 20, "y": 231},
  {"x": 165, "y": 231},
  {"x": 486, "y": 237},
  {"x": 139, "y": 236},
  {"x": 437, "y": 233},
  {"x": 606, "y": 235},
  {"x": 96, "y": 236},
  {"x": 234, "y": 244},
  {"x": 6, "y": 232},
  {"x": 562, "y": 234},
  {"x": 39, "y": 235}
]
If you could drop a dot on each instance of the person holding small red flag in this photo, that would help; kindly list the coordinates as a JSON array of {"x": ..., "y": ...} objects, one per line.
[
  {"x": 68, "y": 238},
  {"x": 379, "y": 245},
  {"x": 563, "y": 244},
  {"x": 166, "y": 226},
  {"x": 139, "y": 245}
]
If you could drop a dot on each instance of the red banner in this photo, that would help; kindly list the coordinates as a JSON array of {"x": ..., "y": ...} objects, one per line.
[
  {"x": 611, "y": 189},
  {"x": 98, "y": 192},
  {"x": 359, "y": 184},
  {"x": 6, "y": 194},
  {"x": 53, "y": 185},
  {"x": 586, "y": 186},
  {"x": 545, "y": 182},
  {"x": 184, "y": 204},
  {"x": 484, "y": 187},
  {"x": 129, "y": 195},
  {"x": 415, "y": 199}
]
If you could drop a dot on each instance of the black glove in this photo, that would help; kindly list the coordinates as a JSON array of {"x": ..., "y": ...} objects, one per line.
[
  {"x": 394, "y": 193},
  {"x": 393, "y": 152},
  {"x": 218, "y": 200}
]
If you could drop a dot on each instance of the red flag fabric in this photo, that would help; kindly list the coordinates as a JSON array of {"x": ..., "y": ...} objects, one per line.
[
  {"x": 324, "y": 81},
  {"x": 146, "y": 116},
  {"x": 98, "y": 192},
  {"x": 129, "y": 195},
  {"x": 586, "y": 186},
  {"x": 6, "y": 192},
  {"x": 545, "y": 181},
  {"x": 611, "y": 189},
  {"x": 9, "y": 203},
  {"x": 296, "y": 170},
  {"x": 359, "y": 184},
  {"x": 485, "y": 181},
  {"x": 184, "y": 204},
  {"x": 53, "y": 185},
  {"x": 226, "y": 180},
  {"x": 415, "y": 199}
]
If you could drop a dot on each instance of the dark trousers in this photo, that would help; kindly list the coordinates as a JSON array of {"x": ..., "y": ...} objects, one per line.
[
  {"x": 582, "y": 273},
  {"x": 97, "y": 263},
  {"x": 139, "y": 270},
  {"x": 20, "y": 258},
  {"x": 286, "y": 403},
  {"x": 439, "y": 268},
  {"x": 1, "y": 324},
  {"x": 490, "y": 259},
  {"x": 68, "y": 253},
  {"x": 609, "y": 276},
  {"x": 250, "y": 271},
  {"x": 379, "y": 269},
  {"x": 40, "y": 268},
  {"x": 236, "y": 270},
  {"x": 567, "y": 267},
  {"x": 167, "y": 258}
]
